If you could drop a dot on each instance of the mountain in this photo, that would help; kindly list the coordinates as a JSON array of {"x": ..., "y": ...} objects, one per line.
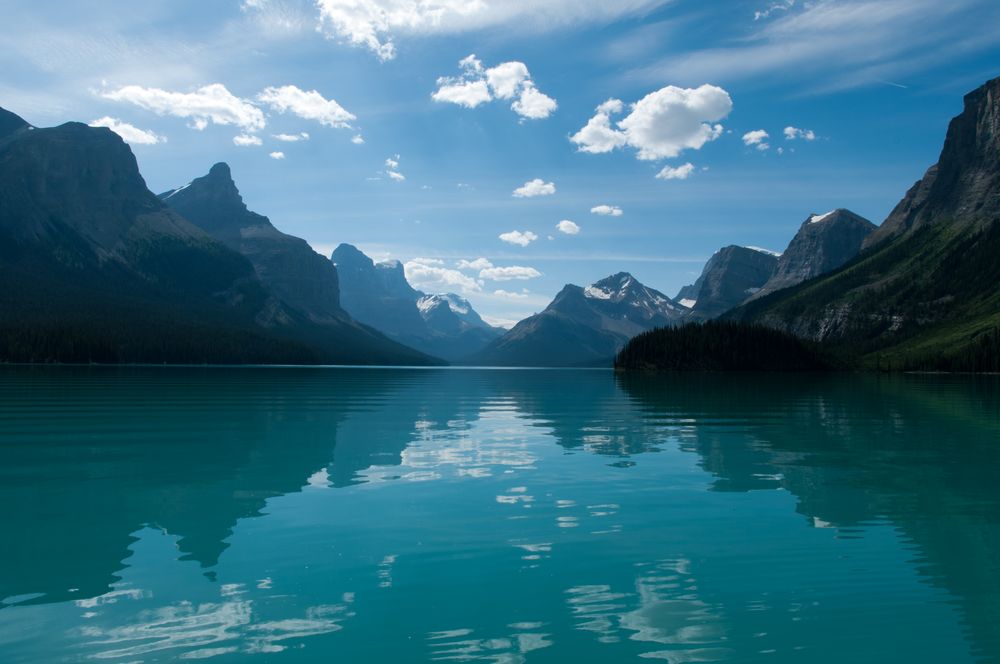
[
  {"x": 286, "y": 264},
  {"x": 583, "y": 326},
  {"x": 730, "y": 276},
  {"x": 823, "y": 243},
  {"x": 303, "y": 280},
  {"x": 379, "y": 295},
  {"x": 923, "y": 293},
  {"x": 95, "y": 267}
]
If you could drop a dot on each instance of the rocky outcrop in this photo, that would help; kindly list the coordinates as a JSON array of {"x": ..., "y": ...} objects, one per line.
[
  {"x": 731, "y": 276},
  {"x": 823, "y": 243}
]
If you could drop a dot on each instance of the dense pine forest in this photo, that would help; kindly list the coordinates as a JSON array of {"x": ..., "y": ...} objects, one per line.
[{"x": 721, "y": 346}]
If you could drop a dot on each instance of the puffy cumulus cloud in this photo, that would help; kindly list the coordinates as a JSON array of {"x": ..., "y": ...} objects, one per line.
[
  {"x": 568, "y": 227},
  {"x": 374, "y": 24},
  {"x": 358, "y": 139},
  {"x": 757, "y": 138},
  {"x": 607, "y": 210},
  {"x": 431, "y": 275},
  {"x": 310, "y": 105},
  {"x": 509, "y": 80},
  {"x": 464, "y": 93},
  {"x": 475, "y": 264},
  {"x": 211, "y": 103},
  {"x": 682, "y": 172},
  {"x": 511, "y": 273},
  {"x": 277, "y": 155},
  {"x": 522, "y": 239},
  {"x": 247, "y": 140},
  {"x": 661, "y": 125},
  {"x": 291, "y": 138},
  {"x": 792, "y": 133},
  {"x": 536, "y": 187},
  {"x": 129, "y": 133}
]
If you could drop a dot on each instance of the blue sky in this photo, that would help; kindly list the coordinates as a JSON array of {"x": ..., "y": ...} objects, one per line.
[{"x": 868, "y": 86}]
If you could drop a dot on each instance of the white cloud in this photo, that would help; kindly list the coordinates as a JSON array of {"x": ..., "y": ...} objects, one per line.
[
  {"x": 536, "y": 187},
  {"x": 519, "y": 238},
  {"x": 505, "y": 79},
  {"x": 568, "y": 227},
  {"x": 428, "y": 274},
  {"x": 392, "y": 168},
  {"x": 660, "y": 125},
  {"x": 757, "y": 138},
  {"x": 682, "y": 172},
  {"x": 291, "y": 138},
  {"x": 211, "y": 103},
  {"x": 512, "y": 273},
  {"x": 772, "y": 8},
  {"x": 310, "y": 105},
  {"x": 533, "y": 104},
  {"x": 476, "y": 264},
  {"x": 129, "y": 133},
  {"x": 607, "y": 210},
  {"x": 792, "y": 133},
  {"x": 509, "y": 80},
  {"x": 247, "y": 140},
  {"x": 358, "y": 139},
  {"x": 374, "y": 24},
  {"x": 277, "y": 155},
  {"x": 511, "y": 295},
  {"x": 465, "y": 93}
]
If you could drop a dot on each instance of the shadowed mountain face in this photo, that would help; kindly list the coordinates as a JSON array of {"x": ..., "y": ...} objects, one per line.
[
  {"x": 963, "y": 188},
  {"x": 924, "y": 292},
  {"x": 730, "y": 276},
  {"x": 95, "y": 267},
  {"x": 379, "y": 295},
  {"x": 286, "y": 264},
  {"x": 823, "y": 243},
  {"x": 583, "y": 326}
]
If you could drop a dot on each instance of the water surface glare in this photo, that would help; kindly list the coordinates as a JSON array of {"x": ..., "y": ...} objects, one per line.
[{"x": 352, "y": 515}]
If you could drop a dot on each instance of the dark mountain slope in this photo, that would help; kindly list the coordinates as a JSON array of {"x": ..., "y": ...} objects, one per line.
[
  {"x": 730, "y": 276},
  {"x": 925, "y": 293},
  {"x": 95, "y": 268}
]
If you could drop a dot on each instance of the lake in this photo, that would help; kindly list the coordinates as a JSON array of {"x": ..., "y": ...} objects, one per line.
[{"x": 394, "y": 515}]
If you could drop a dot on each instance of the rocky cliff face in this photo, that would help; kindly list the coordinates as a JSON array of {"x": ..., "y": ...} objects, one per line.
[
  {"x": 286, "y": 264},
  {"x": 963, "y": 188},
  {"x": 584, "y": 326},
  {"x": 731, "y": 276},
  {"x": 823, "y": 243}
]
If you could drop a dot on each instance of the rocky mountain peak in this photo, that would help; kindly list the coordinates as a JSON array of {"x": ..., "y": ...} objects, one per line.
[
  {"x": 214, "y": 203},
  {"x": 963, "y": 188},
  {"x": 11, "y": 123}
]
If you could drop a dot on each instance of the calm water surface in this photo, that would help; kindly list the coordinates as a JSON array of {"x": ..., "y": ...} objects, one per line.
[{"x": 336, "y": 515}]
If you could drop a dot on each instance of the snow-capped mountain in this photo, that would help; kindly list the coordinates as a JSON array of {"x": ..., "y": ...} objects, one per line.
[
  {"x": 584, "y": 326},
  {"x": 378, "y": 294}
]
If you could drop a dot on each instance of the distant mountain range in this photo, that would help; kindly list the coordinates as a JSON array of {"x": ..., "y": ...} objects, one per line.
[
  {"x": 583, "y": 326},
  {"x": 379, "y": 295},
  {"x": 96, "y": 268},
  {"x": 925, "y": 291}
]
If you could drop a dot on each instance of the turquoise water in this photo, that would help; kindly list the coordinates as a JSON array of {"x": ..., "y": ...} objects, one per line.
[{"x": 336, "y": 515}]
